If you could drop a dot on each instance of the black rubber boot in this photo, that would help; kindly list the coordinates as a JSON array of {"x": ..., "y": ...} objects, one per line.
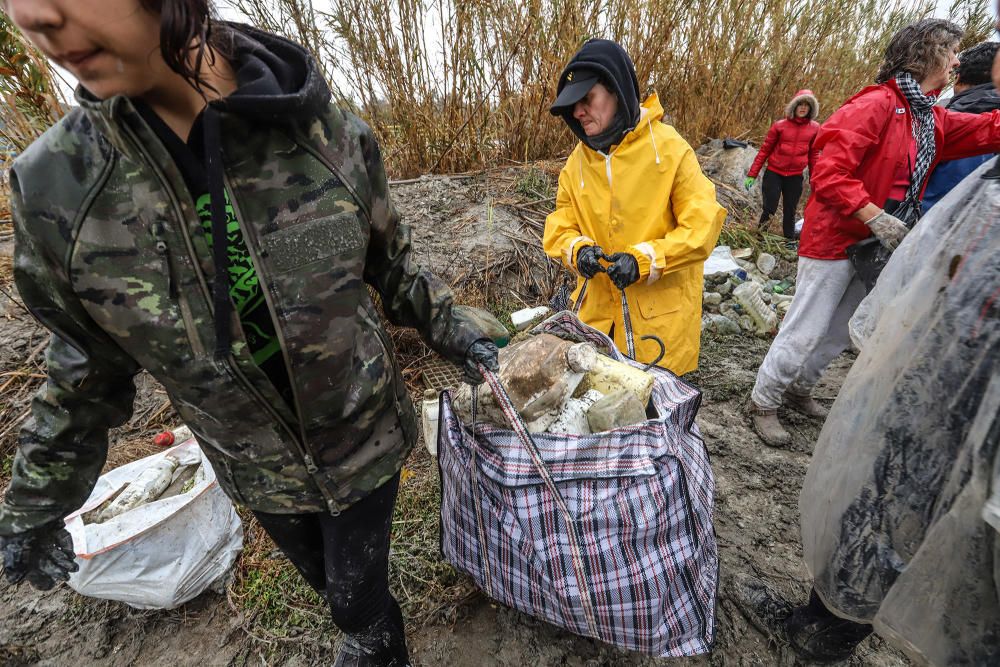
[
  {"x": 381, "y": 645},
  {"x": 352, "y": 654},
  {"x": 812, "y": 631},
  {"x": 816, "y": 633}
]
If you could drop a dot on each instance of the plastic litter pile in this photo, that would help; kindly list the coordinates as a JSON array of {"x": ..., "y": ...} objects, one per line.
[
  {"x": 163, "y": 479},
  {"x": 743, "y": 296},
  {"x": 563, "y": 387}
]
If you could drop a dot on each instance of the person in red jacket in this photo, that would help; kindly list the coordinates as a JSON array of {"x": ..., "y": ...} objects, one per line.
[
  {"x": 875, "y": 154},
  {"x": 788, "y": 149}
]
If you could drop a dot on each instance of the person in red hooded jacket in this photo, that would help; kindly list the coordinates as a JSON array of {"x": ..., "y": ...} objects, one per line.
[
  {"x": 788, "y": 149},
  {"x": 875, "y": 154}
]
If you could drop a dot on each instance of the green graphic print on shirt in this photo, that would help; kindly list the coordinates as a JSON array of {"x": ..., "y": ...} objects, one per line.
[{"x": 244, "y": 287}]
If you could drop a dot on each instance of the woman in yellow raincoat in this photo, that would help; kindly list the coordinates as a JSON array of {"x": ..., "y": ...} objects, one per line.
[{"x": 634, "y": 210}]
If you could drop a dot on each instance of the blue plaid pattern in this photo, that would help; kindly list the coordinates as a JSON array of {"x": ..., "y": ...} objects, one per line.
[{"x": 609, "y": 536}]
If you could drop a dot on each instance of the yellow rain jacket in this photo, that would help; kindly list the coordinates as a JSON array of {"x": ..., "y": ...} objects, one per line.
[{"x": 647, "y": 197}]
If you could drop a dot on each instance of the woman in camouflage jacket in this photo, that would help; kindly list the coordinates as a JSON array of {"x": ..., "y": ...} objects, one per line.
[{"x": 207, "y": 215}]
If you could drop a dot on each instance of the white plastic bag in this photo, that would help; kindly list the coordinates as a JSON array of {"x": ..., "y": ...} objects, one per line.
[
  {"x": 720, "y": 261},
  {"x": 160, "y": 554}
]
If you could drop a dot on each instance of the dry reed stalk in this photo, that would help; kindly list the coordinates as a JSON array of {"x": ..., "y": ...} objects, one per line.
[
  {"x": 451, "y": 86},
  {"x": 6, "y": 270},
  {"x": 17, "y": 386},
  {"x": 30, "y": 102}
]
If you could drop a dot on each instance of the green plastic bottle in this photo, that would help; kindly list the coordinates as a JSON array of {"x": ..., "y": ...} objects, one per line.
[
  {"x": 783, "y": 286},
  {"x": 484, "y": 320}
]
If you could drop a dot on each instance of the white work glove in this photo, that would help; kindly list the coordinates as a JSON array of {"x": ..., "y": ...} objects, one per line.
[{"x": 888, "y": 229}]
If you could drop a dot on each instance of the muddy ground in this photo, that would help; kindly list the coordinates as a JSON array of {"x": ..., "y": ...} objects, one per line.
[{"x": 457, "y": 221}]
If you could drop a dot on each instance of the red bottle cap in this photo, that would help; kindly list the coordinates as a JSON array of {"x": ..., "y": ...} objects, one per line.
[{"x": 164, "y": 439}]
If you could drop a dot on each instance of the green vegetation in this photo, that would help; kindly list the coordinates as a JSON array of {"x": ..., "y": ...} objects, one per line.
[{"x": 277, "y": 603}]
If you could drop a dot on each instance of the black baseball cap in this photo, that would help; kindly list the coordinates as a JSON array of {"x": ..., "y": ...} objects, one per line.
[{"x": 573, "y": 87}]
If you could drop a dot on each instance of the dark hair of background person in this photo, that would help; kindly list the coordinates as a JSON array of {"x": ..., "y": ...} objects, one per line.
[{"x": 976, "y": 66}]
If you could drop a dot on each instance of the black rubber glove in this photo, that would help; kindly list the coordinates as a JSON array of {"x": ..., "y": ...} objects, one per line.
[
  {"x": 483, "y": 351},
  {"x": 624, "y": 269},
  {"x": 587, "y": 261},
  {"x": 44, "y": 556}
]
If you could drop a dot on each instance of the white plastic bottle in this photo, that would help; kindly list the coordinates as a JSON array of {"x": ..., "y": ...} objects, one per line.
[{"x": 750, "y": 296}]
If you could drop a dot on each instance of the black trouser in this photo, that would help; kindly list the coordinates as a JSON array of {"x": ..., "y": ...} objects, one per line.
[
  {"x": 789, "y": 189},
  {"x": 346, "y": 559}
]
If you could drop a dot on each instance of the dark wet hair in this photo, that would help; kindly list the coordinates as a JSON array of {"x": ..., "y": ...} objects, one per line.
[
  {"x": 186, "y": 26},
  {"x": 976, "y": 66},
  {"x": 919, "y": 49}
]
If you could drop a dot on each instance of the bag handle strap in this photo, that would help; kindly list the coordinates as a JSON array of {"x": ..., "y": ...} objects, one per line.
[
  {"x": 579, "y": 299},
  {"x": 626, "y": 317},
  {"x": 524, "y": 437},
  {"x": 520, "y": 429},
  {"x": 629, "y": 335},
  {"x": 484, "y": 561}
]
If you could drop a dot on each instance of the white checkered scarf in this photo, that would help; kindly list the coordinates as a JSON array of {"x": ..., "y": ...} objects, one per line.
[{"x": 921, "y": 107}]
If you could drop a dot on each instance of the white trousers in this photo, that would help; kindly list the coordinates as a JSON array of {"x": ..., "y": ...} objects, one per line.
[{"x": 813, "y": 333}]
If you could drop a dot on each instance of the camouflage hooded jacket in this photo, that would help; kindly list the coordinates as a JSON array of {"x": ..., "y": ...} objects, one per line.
[{"x": 111, "y": 258}]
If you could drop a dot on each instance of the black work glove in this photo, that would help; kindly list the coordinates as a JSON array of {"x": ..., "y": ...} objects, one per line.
[
  {"x": 624, "y": 269},
  {"x": 588, "y": 261},
  {"x": 44, "y": 556},
  {"x": 483, "y": 351}
]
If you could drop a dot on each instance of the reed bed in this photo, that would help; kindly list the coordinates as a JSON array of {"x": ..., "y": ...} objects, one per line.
[
  {"x": 29, "y": 103},
  {"x": 451, "y": 86}
]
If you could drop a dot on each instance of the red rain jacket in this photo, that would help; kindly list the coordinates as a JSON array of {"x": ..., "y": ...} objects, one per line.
[
  {"x": 788, "y": 148},
  {"x": 862, "y": 146}
]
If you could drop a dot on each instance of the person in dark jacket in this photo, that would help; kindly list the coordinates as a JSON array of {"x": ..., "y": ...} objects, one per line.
[
  {"x": 974, "y": 93},
  {"x": 875, "y": 154},
  {"x": 787, "y": 150},
  {"x": 207, "y": 215}
]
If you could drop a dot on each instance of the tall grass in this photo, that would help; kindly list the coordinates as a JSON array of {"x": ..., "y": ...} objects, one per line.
[
  {"x": 29, "y": 100},
  {"x": 451, "y": 85}
]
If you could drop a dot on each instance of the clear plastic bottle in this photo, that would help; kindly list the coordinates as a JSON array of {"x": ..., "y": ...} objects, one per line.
[{"x": 750, "y": 296}]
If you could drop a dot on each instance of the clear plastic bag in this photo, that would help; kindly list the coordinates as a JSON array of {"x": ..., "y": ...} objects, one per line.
[{"x": 893, "y": 504}]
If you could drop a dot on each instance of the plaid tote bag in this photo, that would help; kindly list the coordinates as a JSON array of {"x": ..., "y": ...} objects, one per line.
[{"x": 608, "y": 535}]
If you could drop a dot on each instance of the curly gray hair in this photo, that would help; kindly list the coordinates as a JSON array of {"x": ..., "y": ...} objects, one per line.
[{"x": 919, "y": 48}]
